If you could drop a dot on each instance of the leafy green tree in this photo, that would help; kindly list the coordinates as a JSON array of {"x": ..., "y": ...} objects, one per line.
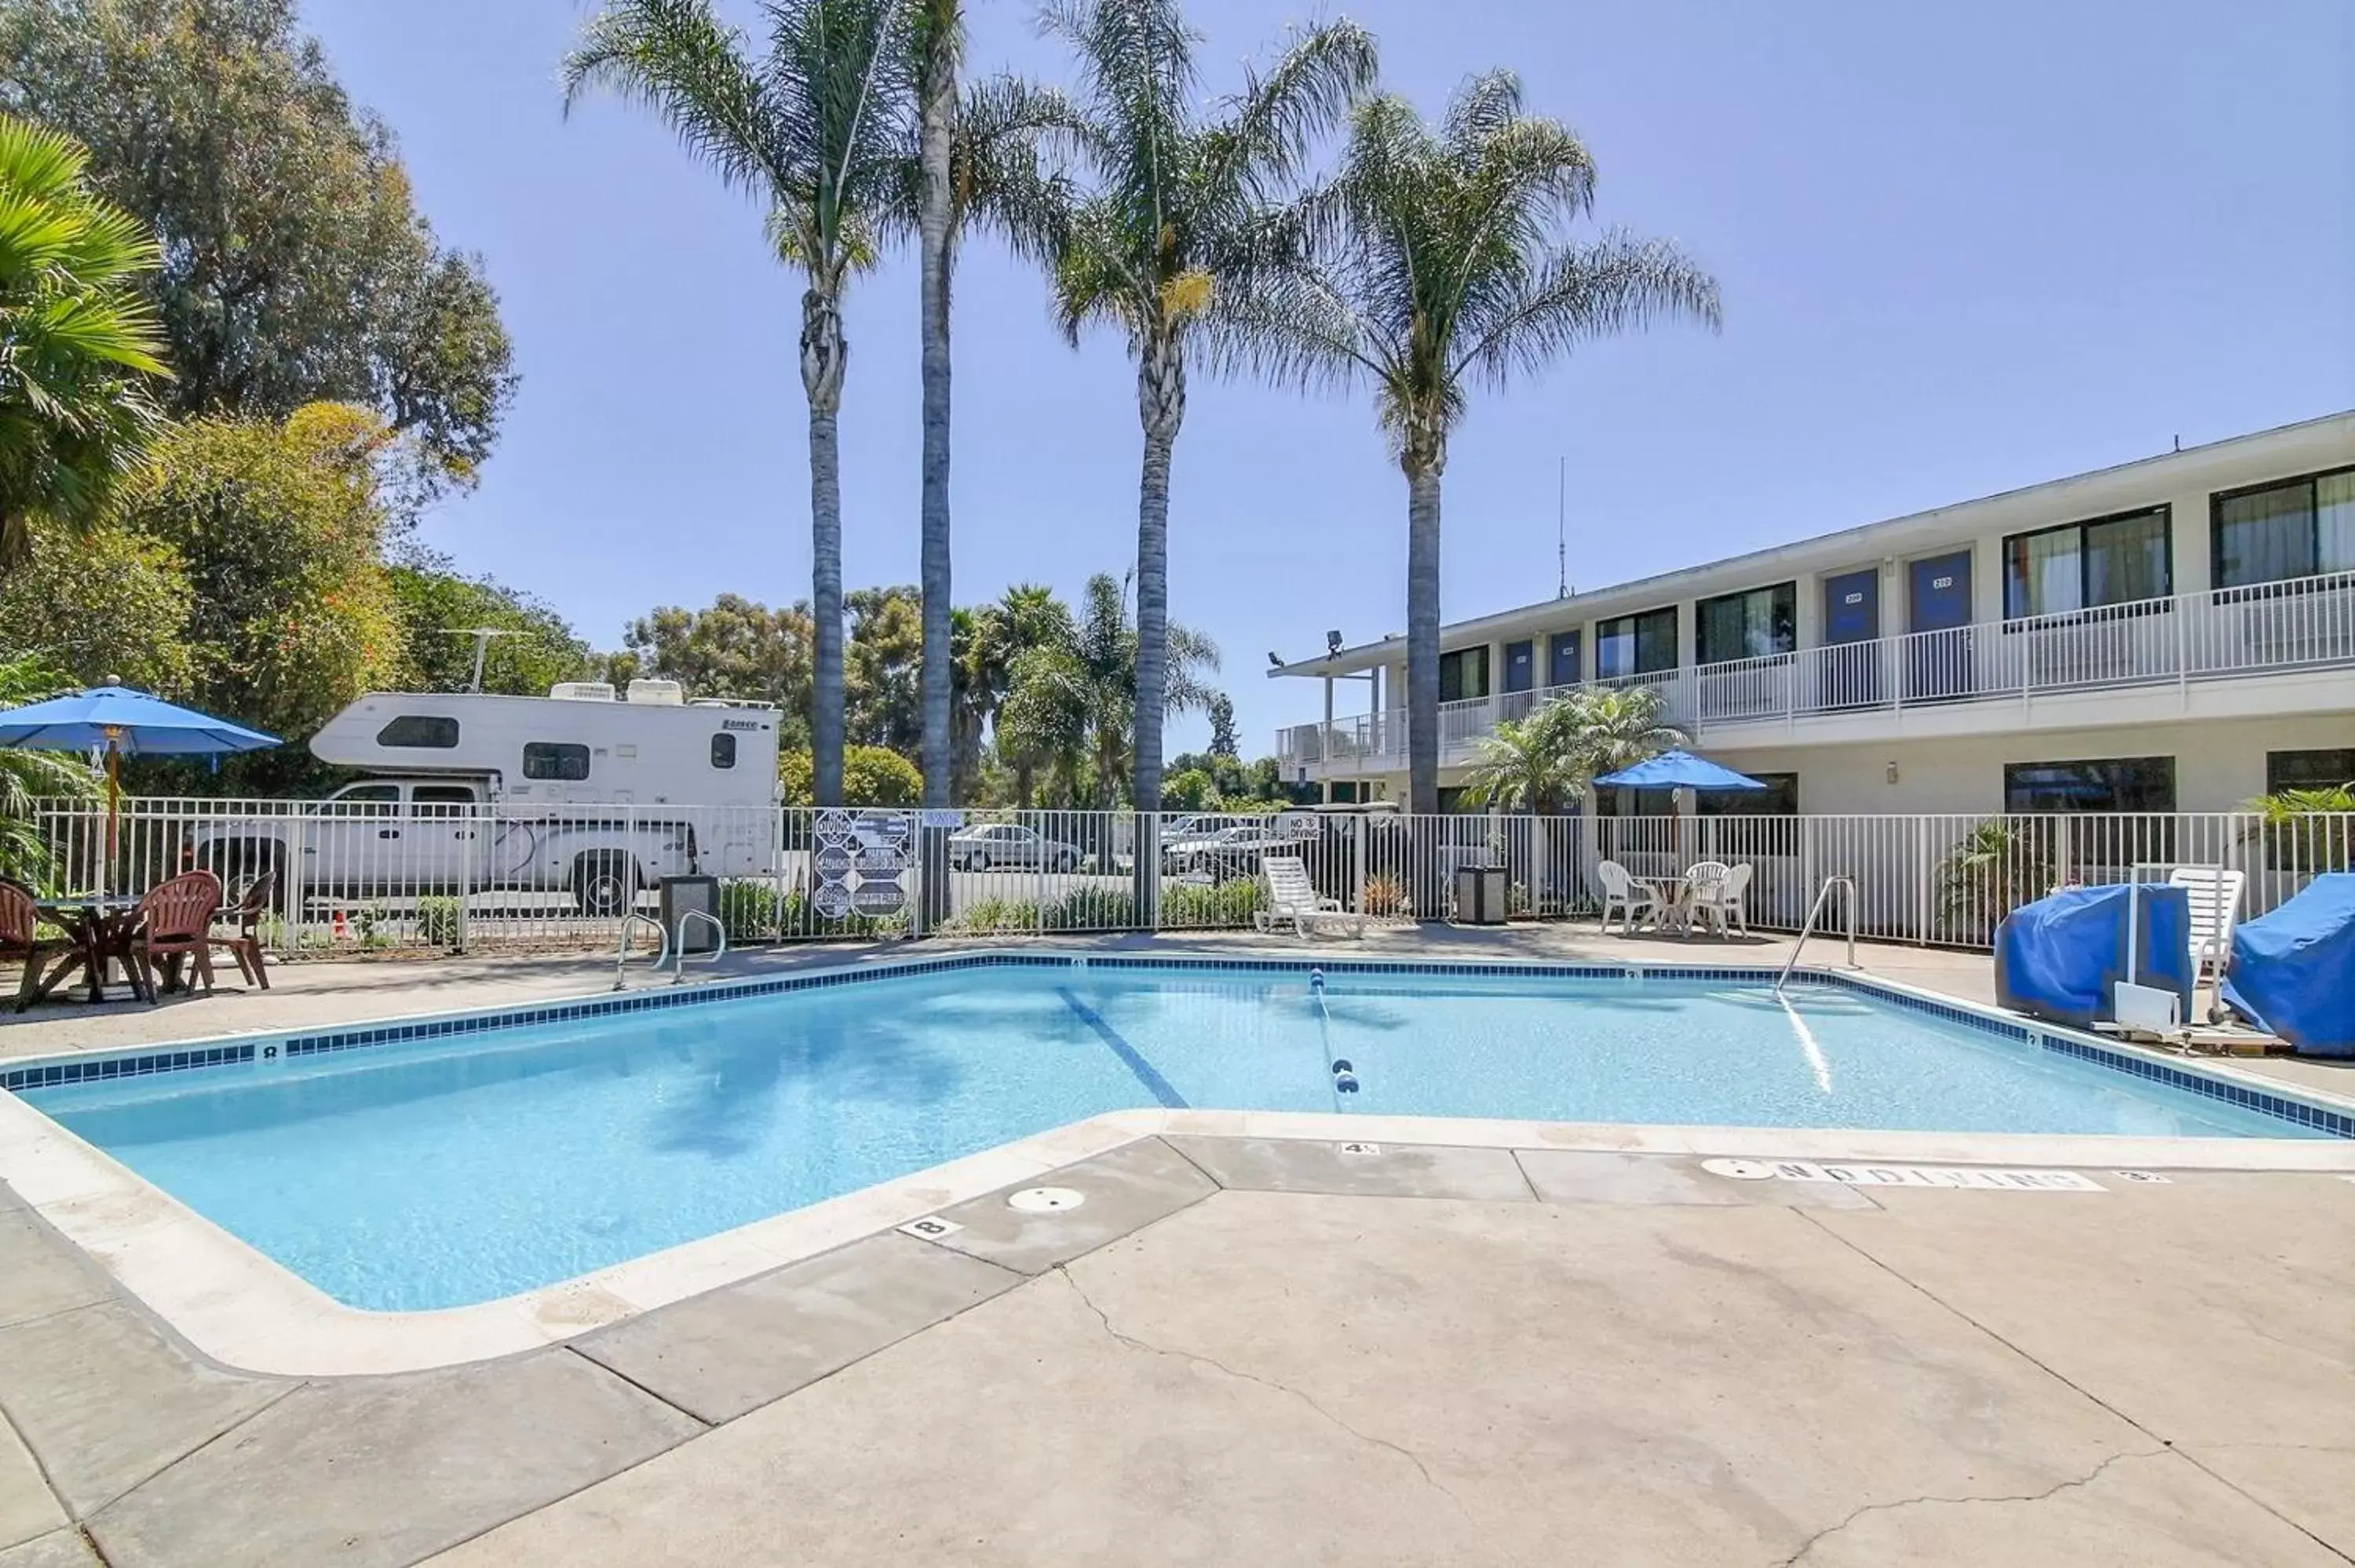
[
  {"x": 77, "y": 343},
  {"x": 1438, "y": 263},
  {"x": 437, "y": 607},
  {"x": 1026, "y": 616},
  {"x": 1222, "y": 725},
  {"x": 871, "y": 776},
  {"x": 107, "y": 604},
  {"x": 737, "y": 648},
  {"x": 279, "y": 527},
  {"x": 295, "y": 266},
  {"x": 885, "y": 673},
  {"x": 815, "y": 130},
  {"x": 1184, "y": 207},
  {"x": 1190, "y": 789}
]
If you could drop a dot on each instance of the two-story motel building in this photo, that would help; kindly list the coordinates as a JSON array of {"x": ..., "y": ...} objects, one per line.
[{"x": 2175, "y": 635}]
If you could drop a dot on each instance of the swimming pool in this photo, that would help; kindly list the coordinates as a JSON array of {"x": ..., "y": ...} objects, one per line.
[{"x": 434, "y": 1166}]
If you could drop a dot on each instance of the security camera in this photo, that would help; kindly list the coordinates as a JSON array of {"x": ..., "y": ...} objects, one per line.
[{"x": 1275, "y": 660}]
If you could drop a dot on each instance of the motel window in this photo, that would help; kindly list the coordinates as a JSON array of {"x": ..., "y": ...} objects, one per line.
[
  {"x": 1463, "y": 674},
  {"x": 428, "y": 730},
  {"x": 1635, "y": 644},
  {"x": 2309, "y": 770},
  {"x": 723, "y": 750},
  {"x": 2087, "y": 566},
  {"x": 1779, "y": 798},
  {"x": 2103, "y": 784},
  {"x": 1773, "y": 827},
  {"x": 1614, "y": 800},
  {"x": 2282, "y": 531},
  {"x": 1758, "y": 624},
  {"x": 557, "y": 760}
]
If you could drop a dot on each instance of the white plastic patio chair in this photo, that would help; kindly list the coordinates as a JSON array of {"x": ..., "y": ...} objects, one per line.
[
  {"x": 1632, "y": 899},
  {"x": 1717, "y": 894},
  {"x": 2214, "y": 894},
  {"x": 1291, "y": 898}
]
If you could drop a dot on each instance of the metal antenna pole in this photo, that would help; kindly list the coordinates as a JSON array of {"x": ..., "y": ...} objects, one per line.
[
  {"x": 482, "y": 636},
  {"x": 1561, "y": 527}
]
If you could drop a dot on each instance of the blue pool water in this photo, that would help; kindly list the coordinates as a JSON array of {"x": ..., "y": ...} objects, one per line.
[{"x": 443, "y": 1172}]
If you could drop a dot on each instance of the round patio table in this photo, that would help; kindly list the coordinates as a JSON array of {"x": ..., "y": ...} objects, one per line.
[
  {"x": 97, "y": 928},
  {"x": 1671, "y": 894}
]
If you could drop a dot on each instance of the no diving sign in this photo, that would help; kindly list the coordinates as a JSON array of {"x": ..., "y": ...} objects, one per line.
[{"x": 1974, "y": 1178}]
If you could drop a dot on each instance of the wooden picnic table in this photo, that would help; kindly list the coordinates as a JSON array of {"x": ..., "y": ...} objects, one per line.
[{"x": 97, "y": 928}]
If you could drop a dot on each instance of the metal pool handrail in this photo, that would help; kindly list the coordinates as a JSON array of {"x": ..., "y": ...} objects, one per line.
[
  {"x": 1808, "y": 929},
  {"x": 622, "y": 950},
  {"x": 717, "y": 929}
]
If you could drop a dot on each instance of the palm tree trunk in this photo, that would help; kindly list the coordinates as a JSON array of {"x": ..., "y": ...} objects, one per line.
[
  {"x": 822, "y": 353},
  {"x": 1161, "y": 403},
  {"x": 939, "y": 107},
  {"x": 1423, "y": 632}
]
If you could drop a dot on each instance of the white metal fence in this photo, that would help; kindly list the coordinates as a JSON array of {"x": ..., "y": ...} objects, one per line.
[{"x": 359, "y": 876}]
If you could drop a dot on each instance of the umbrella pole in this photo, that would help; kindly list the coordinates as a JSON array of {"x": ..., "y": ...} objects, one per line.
[{"x": 113, "y": 813}]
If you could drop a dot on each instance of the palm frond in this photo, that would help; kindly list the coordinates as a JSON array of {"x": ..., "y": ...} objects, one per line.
[
  {"x": 1583, "y": 293},
  {"x": 678, "y": 59}
]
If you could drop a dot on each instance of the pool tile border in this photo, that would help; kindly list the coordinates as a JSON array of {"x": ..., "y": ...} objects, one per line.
[{"x": 53, "y": 1072}]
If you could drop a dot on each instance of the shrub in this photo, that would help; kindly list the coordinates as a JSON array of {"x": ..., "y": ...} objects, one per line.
[
  {"x": 1226, "y": 903},
  {"x": 990, "y": 915},
  {"x": 1094, "y": 909},
  {"x": 437, "y": 921},
  {"x": 1385, "y": 896},
  {"x": 748, "y": 910}
]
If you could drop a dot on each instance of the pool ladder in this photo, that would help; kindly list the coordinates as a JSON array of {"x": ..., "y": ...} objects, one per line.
[
  {"x": 1823, "y": 896},
  {"x": 662, "y": 955}
]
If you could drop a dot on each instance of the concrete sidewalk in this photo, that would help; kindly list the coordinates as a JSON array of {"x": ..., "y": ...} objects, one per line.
[{"x": 1250, "y": 1350}]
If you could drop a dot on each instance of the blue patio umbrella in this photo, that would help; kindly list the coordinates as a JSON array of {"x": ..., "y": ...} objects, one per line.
[
  {"x": 1668, "y": 770},
  {"x": 117, "y": 720}
]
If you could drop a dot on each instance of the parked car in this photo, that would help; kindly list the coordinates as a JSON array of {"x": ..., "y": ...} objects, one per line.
[
  {"x": 1010, "y": 844},
  {"x": 1228, "y": 853}
]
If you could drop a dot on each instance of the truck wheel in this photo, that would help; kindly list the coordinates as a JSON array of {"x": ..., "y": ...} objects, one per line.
[
  {"x": 604, "y": 882},
  {"x": 978, "y": 861}
]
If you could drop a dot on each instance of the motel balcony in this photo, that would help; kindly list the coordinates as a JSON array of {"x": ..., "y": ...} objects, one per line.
[{"x": 2270, "y": 648}]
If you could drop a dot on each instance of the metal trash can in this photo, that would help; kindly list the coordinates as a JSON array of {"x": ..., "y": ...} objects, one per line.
[
  {"x": 682, "y": 895},
  {"x": 1480, "y": 896}
]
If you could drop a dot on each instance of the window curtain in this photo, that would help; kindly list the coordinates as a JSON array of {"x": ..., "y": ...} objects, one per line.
[
  {"x": 2334, "y": 521},
  {"x": 2268, "y": 536},
  {"x": 2045, "y": 573},
  {"x": 2127, "y": 560}
]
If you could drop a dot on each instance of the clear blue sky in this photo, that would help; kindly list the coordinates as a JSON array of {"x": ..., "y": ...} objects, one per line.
[{"x": 1963, "y": 245}]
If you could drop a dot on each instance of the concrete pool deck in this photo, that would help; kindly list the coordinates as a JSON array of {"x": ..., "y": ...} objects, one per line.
[
  {"x": 1269, "y": 1349},
  {"x": 1268, "y": 1352}
]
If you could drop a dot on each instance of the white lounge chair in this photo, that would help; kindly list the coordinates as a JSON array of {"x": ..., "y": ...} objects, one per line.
[
  {"x": 1717, "y": 897},
  {"x": 2215, "y": 897},
  {"x": 1291, "y": 898},
  {"x": 1621, "y": 892}
]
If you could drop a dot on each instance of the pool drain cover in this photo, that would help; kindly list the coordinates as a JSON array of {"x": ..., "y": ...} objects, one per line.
[
  {"x": 1739, "y": 1169},
  {"x": 1046, "y": 1200}
]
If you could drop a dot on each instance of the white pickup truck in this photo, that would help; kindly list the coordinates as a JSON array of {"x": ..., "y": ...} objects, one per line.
[
  {"x": 584, "y": 791},
  {"x": 395, "y": 837}
]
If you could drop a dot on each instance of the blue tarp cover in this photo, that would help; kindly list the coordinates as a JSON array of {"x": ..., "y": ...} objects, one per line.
[
  {"x": 2293, "y": 970},
  {"x": 2057, "y": 958}
]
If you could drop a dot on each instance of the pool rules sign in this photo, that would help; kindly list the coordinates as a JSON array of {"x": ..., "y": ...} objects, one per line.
[{"x": 858, "y": 870}]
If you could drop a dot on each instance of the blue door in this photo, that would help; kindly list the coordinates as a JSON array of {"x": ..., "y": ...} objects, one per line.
[
  {"x": 1938, "y": 605},
  {"x": 1851, "y": 658},
  {"x": 1520, "y": 666},
  {"x": 1561, "y": 659}
]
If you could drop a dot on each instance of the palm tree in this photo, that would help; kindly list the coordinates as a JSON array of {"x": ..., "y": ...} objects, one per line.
[
  {"x": 816, "y": 128},
  {"x": 1079, "y": 693},
  {"x": 1184, "y": 207},
  {"x": 1026, "y": 617},
  {"x": 1600, "y": 729},
  {"x": 1524, "y": 766},
  {"x": 1436, "y": 262},
  {"x": 975, "y": 158},
  {"x": 76, "y": 340}
]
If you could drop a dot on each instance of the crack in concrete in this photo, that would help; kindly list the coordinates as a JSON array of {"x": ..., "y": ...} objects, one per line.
[
  {"x": 1368, "y": 1438},
  {"x": 2055, "y": 1489}
]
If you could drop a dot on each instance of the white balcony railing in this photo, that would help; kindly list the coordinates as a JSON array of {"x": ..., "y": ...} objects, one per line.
[{"x": 2304, "y": 623}]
